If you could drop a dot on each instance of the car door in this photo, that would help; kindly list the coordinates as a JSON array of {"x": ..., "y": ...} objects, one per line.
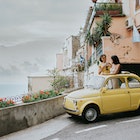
[
  {"x": 134, "y": 91},
  {"x": 116, "y": 97}
]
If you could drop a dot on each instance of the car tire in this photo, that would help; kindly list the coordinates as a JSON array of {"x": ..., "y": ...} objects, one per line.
[{"x": 90, "y": 114}]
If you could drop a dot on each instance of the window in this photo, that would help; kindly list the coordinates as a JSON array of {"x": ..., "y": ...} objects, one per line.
[
  {"x": 133, "y": 83},
  {"x": 115, "y": 83},
  {"x": 137, "y": 4}
]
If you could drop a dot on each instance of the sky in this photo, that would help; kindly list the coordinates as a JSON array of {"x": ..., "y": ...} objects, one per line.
[{"x": 32, "y": 32}]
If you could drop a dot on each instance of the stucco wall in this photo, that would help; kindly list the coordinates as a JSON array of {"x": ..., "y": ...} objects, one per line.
[
  {"x": 23, "y": 116},
  {"x": 36, "y": 83},
  {"x": 127, "y": 51}
]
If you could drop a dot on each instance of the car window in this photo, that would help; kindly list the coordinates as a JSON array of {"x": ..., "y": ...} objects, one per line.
[
  {"x": 133, "y": 82},
  {"x": 115, "y": 83}
]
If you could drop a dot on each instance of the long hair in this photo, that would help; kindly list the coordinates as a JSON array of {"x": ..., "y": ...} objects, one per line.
[{"x": 115, "y": 59}]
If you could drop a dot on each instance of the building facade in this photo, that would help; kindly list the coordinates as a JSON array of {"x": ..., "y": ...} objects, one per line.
[{"x": 124, "y": 40}]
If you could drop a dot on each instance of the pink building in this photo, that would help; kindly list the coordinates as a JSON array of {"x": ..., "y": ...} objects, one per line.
[
  {"x": 124, "y": 40},
  {"x": 125, "y": 37}
]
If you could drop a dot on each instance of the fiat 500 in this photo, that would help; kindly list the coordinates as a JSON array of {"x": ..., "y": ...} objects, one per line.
[{"x": 104, "y": 95}]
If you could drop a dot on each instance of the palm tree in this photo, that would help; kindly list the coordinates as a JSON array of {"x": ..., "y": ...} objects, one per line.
[
  {"x": 106, "y": 24},
  {"x": 101, "y": 29}
]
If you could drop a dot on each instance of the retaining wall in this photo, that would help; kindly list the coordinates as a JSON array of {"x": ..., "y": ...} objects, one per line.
[{"x": 22, "y": 116}]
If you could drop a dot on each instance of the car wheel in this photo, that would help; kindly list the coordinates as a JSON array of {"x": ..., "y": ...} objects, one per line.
[{"x": 90, "y": 114}]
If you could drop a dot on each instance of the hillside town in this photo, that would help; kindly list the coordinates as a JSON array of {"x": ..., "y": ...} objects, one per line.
[{"x": 111, "y": 27}]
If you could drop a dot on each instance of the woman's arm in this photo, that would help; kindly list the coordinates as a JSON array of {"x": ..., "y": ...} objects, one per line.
[{"x": 100, "y": 70}]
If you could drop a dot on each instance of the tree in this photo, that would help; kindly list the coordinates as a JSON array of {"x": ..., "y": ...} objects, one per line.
[
  {"x": 101, "y": 29},
  {"x": 106, "y": 24},
  {"x": 58, "y": 82}
]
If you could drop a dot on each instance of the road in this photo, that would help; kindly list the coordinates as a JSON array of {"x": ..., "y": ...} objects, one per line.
[{"x": 121, "y": 126}]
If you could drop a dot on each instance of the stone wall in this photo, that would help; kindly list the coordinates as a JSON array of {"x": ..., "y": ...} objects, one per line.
[{"x": 22, "y": 116}]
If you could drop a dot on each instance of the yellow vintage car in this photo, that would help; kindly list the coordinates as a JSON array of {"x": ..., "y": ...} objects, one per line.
[{"x": 104, "y": 94}]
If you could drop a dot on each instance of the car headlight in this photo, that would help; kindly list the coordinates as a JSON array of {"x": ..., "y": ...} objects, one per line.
[{"x": 75, "y": 102}]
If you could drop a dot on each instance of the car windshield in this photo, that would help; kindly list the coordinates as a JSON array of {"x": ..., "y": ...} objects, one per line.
[{"x": 95, "y": 82}]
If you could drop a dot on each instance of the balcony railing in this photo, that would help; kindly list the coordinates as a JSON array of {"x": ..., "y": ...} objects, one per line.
[{"x": 114, "y": 9}]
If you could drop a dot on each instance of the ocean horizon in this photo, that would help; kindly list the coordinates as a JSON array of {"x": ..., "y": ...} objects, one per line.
[{"x": 9, "y": 90}]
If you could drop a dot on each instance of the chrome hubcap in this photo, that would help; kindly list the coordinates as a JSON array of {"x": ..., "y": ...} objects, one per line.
[{"x": 91, "y": 114}]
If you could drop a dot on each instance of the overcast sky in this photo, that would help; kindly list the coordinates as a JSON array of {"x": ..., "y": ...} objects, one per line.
[{"x": 33, "y": 31}]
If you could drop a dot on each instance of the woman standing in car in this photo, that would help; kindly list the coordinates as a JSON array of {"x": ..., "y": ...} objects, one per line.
[
  {"x": 104, "y": 67},
  {"x": 116, "y": 66},
  {"x": 115, "y": 69}
]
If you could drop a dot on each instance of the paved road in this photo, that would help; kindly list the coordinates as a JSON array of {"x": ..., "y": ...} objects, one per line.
[
  {"x": 41, "y": 131},
  {"x": 123, "y": 126}
]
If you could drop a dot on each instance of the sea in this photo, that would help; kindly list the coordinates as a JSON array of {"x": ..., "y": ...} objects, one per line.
[{"x": 9, "y": 90}]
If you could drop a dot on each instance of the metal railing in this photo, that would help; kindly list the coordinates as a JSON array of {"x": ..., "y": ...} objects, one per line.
[{"x": 17, "y": 98}]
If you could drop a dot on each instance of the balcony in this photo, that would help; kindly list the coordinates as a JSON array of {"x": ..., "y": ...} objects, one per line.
[{"x": 114, "y": 9}]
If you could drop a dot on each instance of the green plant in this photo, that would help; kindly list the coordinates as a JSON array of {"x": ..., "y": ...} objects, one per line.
[
  {"x": 105, "y": 24},
  {"x": 6, "y": 103},
  {"x": 42, "y": 94},
  {"x": 58, "y": 82},
  {"x": 101, "y": 7},
  {"x": 101, "y": 29},
  {"x": 89, "y": 38},
  {"x": 115, "y": 7},
  {"x": 108, "y": 6}
]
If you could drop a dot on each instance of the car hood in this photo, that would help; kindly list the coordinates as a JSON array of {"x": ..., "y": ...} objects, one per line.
[{"x": 83, "y": 93}]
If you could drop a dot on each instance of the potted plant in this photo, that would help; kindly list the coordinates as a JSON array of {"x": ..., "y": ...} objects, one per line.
[
  {"x": 115, "y": 9},
  {"x": 6, "y": 103},
  {"x": 111, "y": 8}
]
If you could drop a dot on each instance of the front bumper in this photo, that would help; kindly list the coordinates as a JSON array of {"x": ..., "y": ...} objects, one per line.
[
  {"x": 71, "y": 106},
  {"x": 70, "y": 111},
  {"x": 74, "y": 111}
]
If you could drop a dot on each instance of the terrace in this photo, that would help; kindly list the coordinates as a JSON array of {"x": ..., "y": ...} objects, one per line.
[{"x": 114, "y": 9}]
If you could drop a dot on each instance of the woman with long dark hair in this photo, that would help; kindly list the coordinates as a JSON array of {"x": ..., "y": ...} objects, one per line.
[
  {"x": 115, "y": 69},
  {"x": 116, "y": 66}
]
